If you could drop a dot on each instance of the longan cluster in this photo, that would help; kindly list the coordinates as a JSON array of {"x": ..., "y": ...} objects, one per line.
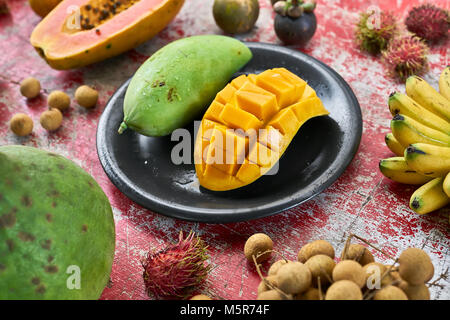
[
  {"x": 356, "y": 276},
  {"x": 58, "y": 101}
]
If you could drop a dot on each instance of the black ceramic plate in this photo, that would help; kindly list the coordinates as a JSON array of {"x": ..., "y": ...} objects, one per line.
[{"x": 142, "y": 169}]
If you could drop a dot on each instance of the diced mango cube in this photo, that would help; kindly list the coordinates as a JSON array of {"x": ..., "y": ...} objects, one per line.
[
  {"x": 262, "y": 156},
  {"x": 238, "y": 82},
  {"x": 252, "y": 78},
  {"x": 308, "y": 108},
  {"x": 238, "y": 118},
  {"x": 248, "y": 171},
  {"x": 260, "y": 105},
  {"x": 226, "y": 94},
  {"x": 298, "y": 82},
  {"x": 272, "y": 138},
  {"x": 286, "y": 122},
  {"x": 213, "y": 112},
  {"x": 308, "y": 93},
  {"x": 285, "y": 91}
]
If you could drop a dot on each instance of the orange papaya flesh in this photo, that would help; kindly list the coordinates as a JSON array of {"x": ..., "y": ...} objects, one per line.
[
  {"x": 100, "y": 29},
  {"x": 249, "y": 126}
]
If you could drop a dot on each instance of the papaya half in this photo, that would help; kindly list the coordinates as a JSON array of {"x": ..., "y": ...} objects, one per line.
[
  {"x": 249, "y": 126},
  {"x": 81, "y": 32}
]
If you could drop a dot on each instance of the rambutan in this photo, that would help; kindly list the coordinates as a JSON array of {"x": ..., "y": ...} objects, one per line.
[
  {"x": 3, "y": 7},
  {"x": 405, "y": 56},
  {"x": 373, "y": 32},
  {"x": 177, "y": 269},
  {"x": 428, "y": 22}
]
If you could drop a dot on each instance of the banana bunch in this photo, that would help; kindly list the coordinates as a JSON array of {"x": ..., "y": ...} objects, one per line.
[{"x": 420, "y": 139}]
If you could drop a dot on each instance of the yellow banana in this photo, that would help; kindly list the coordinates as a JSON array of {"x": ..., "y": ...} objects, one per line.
[
  {"x": 424, "y": 94},
  {"x": 394, "y": 145},
  {"x": 396, "y": 169},
  {"x": 407, "y": 131},
  {"x": 401, "y": 103},
  {"x": 429, "y": 197},
  {"x": 444, "y": 83},
  {"x": 427, "y": 159},
  {"x": 446, "y": 184}
]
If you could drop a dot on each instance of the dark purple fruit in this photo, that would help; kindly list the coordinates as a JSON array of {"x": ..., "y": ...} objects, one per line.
[{"x": 296, "y": 31}]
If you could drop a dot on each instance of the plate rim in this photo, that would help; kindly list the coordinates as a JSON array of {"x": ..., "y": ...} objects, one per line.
[{"x": 220, "y": 216}]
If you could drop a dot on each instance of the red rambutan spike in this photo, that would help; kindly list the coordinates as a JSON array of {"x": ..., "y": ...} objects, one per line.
[{"x": 180, "y": 266}]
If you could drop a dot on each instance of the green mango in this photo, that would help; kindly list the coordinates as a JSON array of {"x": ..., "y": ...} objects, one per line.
[
  {"x": 179, "y": 81},
  {"x": 57, "y": 234}
]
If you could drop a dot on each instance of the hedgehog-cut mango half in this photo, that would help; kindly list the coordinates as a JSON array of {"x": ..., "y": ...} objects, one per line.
[
  {"x": 80, "y": 32},
  {"x": 249, "y": 125}
]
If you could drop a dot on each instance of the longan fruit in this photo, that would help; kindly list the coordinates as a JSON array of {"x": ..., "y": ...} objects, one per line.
[
  {"x": 58, "y": 100},
  {"x": 276, "y": 266},
  {"x": 21, "y": 124},
  {"x": 86, "y": 96},
  {"x": 262, "y": 285},
  {"x": 349, "y": 270},
  {"x": 270, "y": 295},
  {"x": 315, "y": 248},
  {"x": 200, "y": 297},
  {"x": 51, "y": 119},
  {"x": 256, "y": 245},
  {"x": 375, "y": 269},
  {"x": 310, "y": 294},
  {"x": 344, "y": 290},
  {"x": 293, "y": 278},
  {"x": 359, "y": 253},
  {"x": 321, "y": 266},
  {"x": 415, "y": 266},
  {"x": 390, "y": 293},
  {"x": 419, "y": 292},
  {"x": 30, "y": 87}
]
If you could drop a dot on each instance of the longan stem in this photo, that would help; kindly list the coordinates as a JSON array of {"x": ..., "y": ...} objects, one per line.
[
  {"x": 267, "y": 283},
  {"x": 441, "y": 276},
  {"x": 319, "y": 287},
  {"x": 371, "y": 245},
  {"x": 347, "y": 245}
]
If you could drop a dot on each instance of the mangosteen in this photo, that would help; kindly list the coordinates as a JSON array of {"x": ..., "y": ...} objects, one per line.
[{"x": 295, "y": 22}]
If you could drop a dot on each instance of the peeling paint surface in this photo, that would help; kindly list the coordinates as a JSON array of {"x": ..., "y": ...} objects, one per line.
[{"x": 362, "y": 201}]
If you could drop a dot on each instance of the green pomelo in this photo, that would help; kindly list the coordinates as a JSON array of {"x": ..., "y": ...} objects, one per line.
[
  {"x": 179, "y": 81},
  {"x": 57, "y": 233}
]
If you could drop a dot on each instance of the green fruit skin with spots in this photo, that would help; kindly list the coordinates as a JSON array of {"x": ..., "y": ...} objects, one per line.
[
  {"x": 179, "y": 81},
  {"x": 54, "y": 219}
]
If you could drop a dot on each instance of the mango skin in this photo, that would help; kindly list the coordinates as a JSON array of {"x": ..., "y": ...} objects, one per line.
[
  {"x": 179, "y": 81},
  {"x": 53, "y": 215}
]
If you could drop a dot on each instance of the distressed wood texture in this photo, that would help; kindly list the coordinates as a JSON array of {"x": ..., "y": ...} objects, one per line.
[{"x": 361, "y": 201}]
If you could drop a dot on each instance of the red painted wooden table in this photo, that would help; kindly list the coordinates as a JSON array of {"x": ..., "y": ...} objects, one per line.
[{"x": 362, "y": 201}]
